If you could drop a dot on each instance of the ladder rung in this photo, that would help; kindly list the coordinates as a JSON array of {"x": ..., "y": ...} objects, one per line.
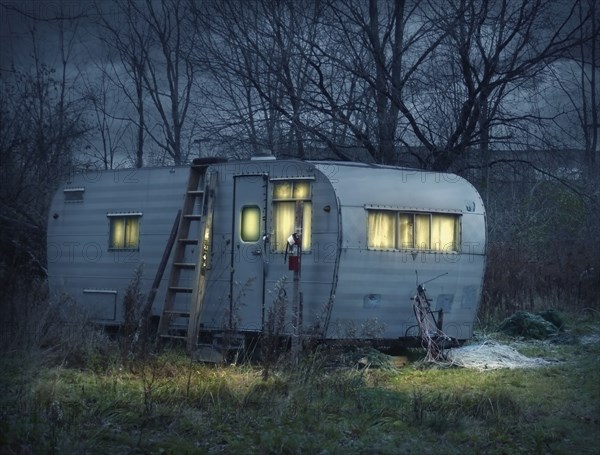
[
  {"x": 188, "y": 241},
  {"x": 178, "y": 313},
  {"x": 171, "y": 325},
  {"x": 177, "y": 337},
  {"x": 181, "y": 289}
]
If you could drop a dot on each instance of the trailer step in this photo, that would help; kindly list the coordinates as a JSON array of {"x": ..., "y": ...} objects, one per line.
[
  {"x": 196, "y": 192},
  {"x": 185, "y": 265},
  {"x": 193, "y": 216},
  {"x": 229, "y": 341},
  {"x": 220, "y": 350}
]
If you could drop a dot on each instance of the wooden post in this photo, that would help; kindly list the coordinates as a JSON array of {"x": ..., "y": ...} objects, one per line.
[{"x": 296, "y": 290}]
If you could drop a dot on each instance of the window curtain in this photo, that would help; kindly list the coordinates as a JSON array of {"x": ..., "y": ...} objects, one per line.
[
  {"x": 284, "y": 221},
  {"x": 132, "y": 234},
  {"x": 444, "y": 232},
  {"x": 381, "y": 227},
  {"x": 406, "y": 230},
  {"x": 422, "y": 232},
  {"x": 117, "y": 233}
]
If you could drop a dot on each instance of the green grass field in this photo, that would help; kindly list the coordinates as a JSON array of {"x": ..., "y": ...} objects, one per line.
[{"x": 87, "y": 399}]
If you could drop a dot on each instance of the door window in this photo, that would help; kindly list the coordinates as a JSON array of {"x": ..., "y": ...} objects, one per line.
[
  {"x": 250, "y": 219},
  {"x": 285, "y": 196}
]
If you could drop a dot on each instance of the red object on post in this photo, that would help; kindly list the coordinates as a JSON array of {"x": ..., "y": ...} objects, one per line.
[{"x": 293, "y": 263}]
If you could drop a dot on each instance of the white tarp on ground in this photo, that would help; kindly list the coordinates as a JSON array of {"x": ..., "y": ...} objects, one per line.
[{"x": 492, "y": 356}]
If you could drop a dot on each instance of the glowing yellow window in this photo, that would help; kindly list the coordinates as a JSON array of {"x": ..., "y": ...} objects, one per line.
[
  {"x": 382, "y": 227},
  {"x": 422, "y": 231},
  {"x": 124, "y": 231},
  {"x": 445, "y": 231},
  {"x": 285, "y": 195},
  {"x": 406, "y": 225},
  {"x": 282, "y": 190},
  {"x": 250, "y": 229},
  {"x": 389, "y": 230}
]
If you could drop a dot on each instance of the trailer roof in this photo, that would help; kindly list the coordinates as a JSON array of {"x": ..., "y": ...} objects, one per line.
[{"x": 372, "y": 185}]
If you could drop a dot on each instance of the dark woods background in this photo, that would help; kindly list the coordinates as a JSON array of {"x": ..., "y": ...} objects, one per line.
[{"x": 502, "y": 92}]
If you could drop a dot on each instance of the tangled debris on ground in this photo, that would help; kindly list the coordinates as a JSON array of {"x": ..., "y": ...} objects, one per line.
[{"x": 492, "y": 356}]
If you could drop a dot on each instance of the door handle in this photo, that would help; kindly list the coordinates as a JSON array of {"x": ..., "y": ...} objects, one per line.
[{"x": 257, "y": 252}]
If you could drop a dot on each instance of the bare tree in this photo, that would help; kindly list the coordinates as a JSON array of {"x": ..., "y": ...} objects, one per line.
[
  {"x": 128, "y": 35},
  {"x": 590, "y": 79},
  {"x": 497, "y": 48},
  {"x": 154, "y": 42},
  {"x": 577, "y": 79},
  {"x": 107, "y": 149},
  {"x": 308, "y": 66},
  {"x": 250, "y": 50},
  {"x": 440, "y": 78},
  {"x": 170, "y": 74},
  {"x": 40, "y": 124}
]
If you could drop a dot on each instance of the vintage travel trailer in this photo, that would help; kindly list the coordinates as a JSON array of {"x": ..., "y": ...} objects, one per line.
[{"x": 345, "y": 242}]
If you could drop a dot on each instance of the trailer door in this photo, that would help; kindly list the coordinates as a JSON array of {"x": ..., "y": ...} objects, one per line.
[{"x": 248, "y": 254}]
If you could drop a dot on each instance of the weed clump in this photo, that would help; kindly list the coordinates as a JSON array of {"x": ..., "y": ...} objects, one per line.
[
  {"x": 528, "y": 325},
  {"x": 554, "y": 317}
]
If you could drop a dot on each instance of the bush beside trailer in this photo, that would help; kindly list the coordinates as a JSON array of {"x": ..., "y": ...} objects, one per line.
[{"x": 364, "y": 234}]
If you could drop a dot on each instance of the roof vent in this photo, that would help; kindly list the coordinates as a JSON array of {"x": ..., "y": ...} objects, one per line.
[{"x": 263, "y": 155}]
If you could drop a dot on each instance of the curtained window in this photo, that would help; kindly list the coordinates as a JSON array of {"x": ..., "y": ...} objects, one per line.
[
  {"x": 124, "y": 232},
  {"x": 445, "y": 232},
  {"x": 394, "y": 230},
  {"x": 285, "y": 196},
  {"x": 382, "y": 227}
]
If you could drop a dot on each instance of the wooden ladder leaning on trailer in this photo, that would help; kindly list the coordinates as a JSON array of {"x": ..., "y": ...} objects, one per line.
[{"x": 200, "y": 188}]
